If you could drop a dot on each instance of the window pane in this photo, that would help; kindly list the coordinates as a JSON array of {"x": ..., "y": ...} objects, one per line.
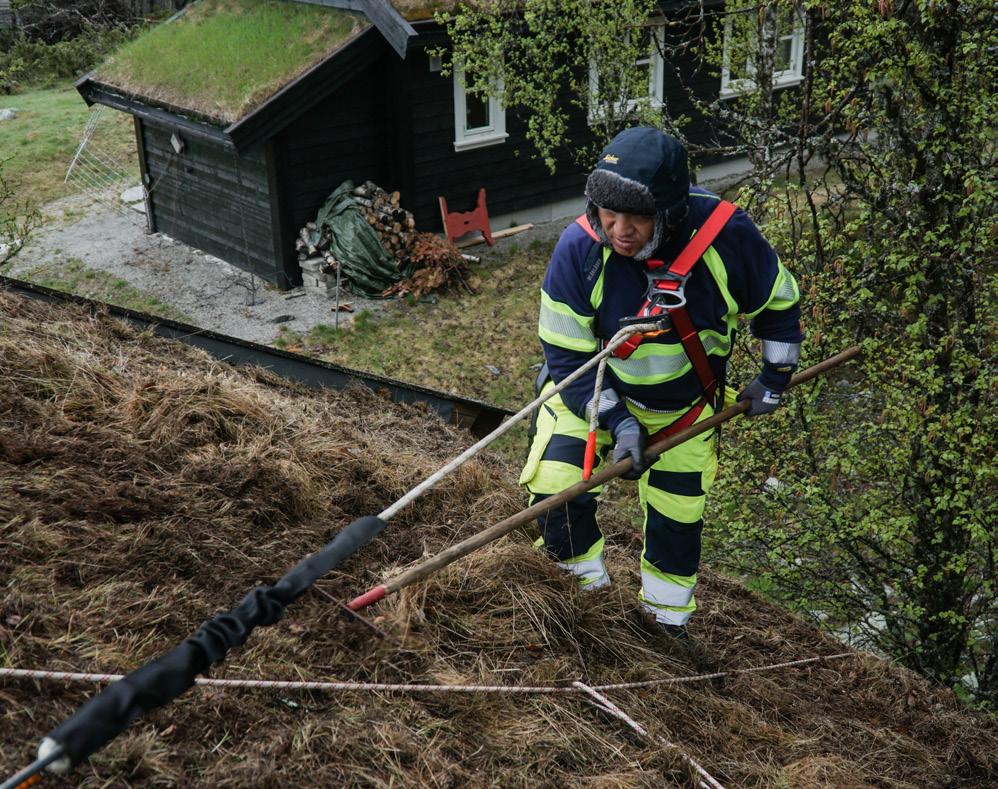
[
  {"x": 644, "y": 39},
  {"x": 784, "y": 50},
  {"x": 476, "y": 115},
  {"x": 644, "y": 80}
]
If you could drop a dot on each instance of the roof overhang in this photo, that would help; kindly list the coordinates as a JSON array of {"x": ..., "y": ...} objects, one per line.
[{"x": 94, "y": 92}]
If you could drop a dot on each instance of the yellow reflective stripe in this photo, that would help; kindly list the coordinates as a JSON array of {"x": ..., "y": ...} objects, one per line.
[
  {"x": 596, "y": 297},
  {"x": 553, "y": 476},
  {"x": 593, "y": 553},
  {"x": 560, "y": 325},
  {"x": 654, "y": 363},
  {"x": 685, "y": 509},
  {"x": 716, "y": 267},
  {"x": 784, "y": 294}
]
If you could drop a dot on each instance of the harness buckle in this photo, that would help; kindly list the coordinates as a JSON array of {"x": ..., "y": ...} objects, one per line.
[{"x": 666, "y": 290}]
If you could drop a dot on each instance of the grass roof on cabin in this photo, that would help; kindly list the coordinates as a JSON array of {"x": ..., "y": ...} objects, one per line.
[
  {"x": 224, "y": 58},
  {"x": 420, "y": 10}
]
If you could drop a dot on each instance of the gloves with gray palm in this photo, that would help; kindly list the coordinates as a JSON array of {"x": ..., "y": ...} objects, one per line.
[
  {"x": 779, "y": 360},
  {"x": 629, "y": 441},
  {"x": 762, "y": 399}
]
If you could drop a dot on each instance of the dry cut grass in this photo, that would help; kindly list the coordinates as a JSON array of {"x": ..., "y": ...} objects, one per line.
[{"x": 144, "y": 486}]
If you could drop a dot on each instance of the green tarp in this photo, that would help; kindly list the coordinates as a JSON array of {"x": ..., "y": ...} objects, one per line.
[{"x": 354, "y": 244}]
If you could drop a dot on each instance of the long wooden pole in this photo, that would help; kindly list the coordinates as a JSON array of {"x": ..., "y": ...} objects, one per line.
[{"x": 484, "y": 537}]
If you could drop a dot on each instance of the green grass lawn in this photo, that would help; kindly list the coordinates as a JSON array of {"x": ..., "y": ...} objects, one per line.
[
  {"x": 39, "y": 143},
  {"x": 72, "y": 276},
  {"x": 451, "y": 345}
]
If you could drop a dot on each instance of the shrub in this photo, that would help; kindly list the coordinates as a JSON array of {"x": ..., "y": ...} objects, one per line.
[{"x": 29, "y": 63}]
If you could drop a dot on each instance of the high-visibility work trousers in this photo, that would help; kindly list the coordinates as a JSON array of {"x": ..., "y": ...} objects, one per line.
[{"x": 672, "y": 495}]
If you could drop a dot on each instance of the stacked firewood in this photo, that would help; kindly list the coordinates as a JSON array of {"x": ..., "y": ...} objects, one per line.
[
  {"x": 318, "y": 265},
  {"x": 434, "y": 262},
  {"x": 394, "y": 226}
]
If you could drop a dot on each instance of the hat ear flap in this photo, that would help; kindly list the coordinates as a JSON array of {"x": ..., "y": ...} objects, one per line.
[{"x": 592, "y": 214}]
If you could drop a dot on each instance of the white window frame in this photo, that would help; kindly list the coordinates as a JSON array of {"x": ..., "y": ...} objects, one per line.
[
  {"x": 466, "y": 139},
  {"x": 656, "y": 75},
  {"x": 793, "y": 75}
]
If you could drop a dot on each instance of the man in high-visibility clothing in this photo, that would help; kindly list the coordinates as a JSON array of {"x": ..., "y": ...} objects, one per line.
[{"x": 642, "y": 212}]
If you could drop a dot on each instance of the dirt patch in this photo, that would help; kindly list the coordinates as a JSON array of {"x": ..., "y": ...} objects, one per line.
[{"x": 144, "y": 486}]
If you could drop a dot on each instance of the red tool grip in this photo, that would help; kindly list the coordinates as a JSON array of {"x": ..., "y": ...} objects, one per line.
[
  {"x": 370, "y": 597},
  {"x": 590, "y": 459}
]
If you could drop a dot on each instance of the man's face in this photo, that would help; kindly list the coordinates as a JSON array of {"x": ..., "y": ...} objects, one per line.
[{"x": 628, "y": 233}]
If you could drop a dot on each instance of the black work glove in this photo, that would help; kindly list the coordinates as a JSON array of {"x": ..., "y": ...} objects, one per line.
[
  {"x": 629, "y": 442},
  {"x": 764, "y": 399}
]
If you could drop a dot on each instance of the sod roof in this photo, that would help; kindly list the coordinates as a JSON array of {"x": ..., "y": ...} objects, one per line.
[
  {"x": 421, "y": 10},
  {"x": 144, "y": 486},
  {"x": 222, "y": 59}
]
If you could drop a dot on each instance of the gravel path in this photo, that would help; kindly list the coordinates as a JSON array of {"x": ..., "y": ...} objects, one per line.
[{"x": 214, "y": 294}]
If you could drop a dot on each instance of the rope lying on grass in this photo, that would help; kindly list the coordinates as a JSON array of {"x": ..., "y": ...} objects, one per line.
[
  {"x": 272, "y": 684},
  {"x": 594, "y": 692},
  {"x": 603, "y": 703}
]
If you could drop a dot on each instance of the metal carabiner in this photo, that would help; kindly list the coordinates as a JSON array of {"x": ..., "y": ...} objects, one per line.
[{"x": 666, "y": 298}]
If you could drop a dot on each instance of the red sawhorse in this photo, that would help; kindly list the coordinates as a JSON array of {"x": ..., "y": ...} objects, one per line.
[{"x": 457, "y": 223}]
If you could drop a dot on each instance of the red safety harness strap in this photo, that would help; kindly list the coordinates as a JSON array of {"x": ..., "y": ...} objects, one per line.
[
  {"x": 702, "y": 239},
  {"x": 677, "y": 273},
  {"x": 674, "y": 280},
  {"x": 687, "y": 419}
]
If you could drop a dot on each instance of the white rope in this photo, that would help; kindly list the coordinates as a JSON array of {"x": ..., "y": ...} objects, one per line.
[
  {"x": 603, "y": 703},
  {"x": 717, "y": 674},
  {"x": 76, "y": 676},
  {"x": 474, "y": 449},
  {"x": 620, "y": 337}
]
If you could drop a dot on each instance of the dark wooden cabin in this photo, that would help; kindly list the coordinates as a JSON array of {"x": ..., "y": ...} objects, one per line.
[{"x": 377, "y": 108}]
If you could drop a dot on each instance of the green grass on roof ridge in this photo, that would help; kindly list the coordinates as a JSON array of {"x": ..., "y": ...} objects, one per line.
[
  {"x": 421, "y": 10},
  {"x": 223, "y": 58}
]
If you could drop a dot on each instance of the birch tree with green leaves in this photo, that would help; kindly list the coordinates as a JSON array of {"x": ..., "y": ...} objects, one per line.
[
  {"x": 549, "y": 60},
  {"x": 880, "y": 517}
]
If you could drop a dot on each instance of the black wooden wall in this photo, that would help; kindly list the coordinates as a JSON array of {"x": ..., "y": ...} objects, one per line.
[
  {"x": 213, "y": 199},
  {"x": 338, "y": 139},
  {"x": 513, "y": 176}
]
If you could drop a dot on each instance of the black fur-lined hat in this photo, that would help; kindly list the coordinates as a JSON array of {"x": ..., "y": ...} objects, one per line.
[{"x": 642, "y": 171}]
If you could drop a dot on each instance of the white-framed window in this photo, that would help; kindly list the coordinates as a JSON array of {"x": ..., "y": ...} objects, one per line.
[
  {"x": 788, "y": 62},
  {"x": 479, "y": 121},
  {"x": 650, "y": 62}
]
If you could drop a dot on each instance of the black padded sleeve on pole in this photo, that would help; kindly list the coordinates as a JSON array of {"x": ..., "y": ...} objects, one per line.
[{"x": 106, "y": 715}]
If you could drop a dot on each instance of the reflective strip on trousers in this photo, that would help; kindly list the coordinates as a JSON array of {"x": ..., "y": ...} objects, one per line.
[
  {"x": 671, "y": 603},
  {"x": 591, "y": 573}
]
